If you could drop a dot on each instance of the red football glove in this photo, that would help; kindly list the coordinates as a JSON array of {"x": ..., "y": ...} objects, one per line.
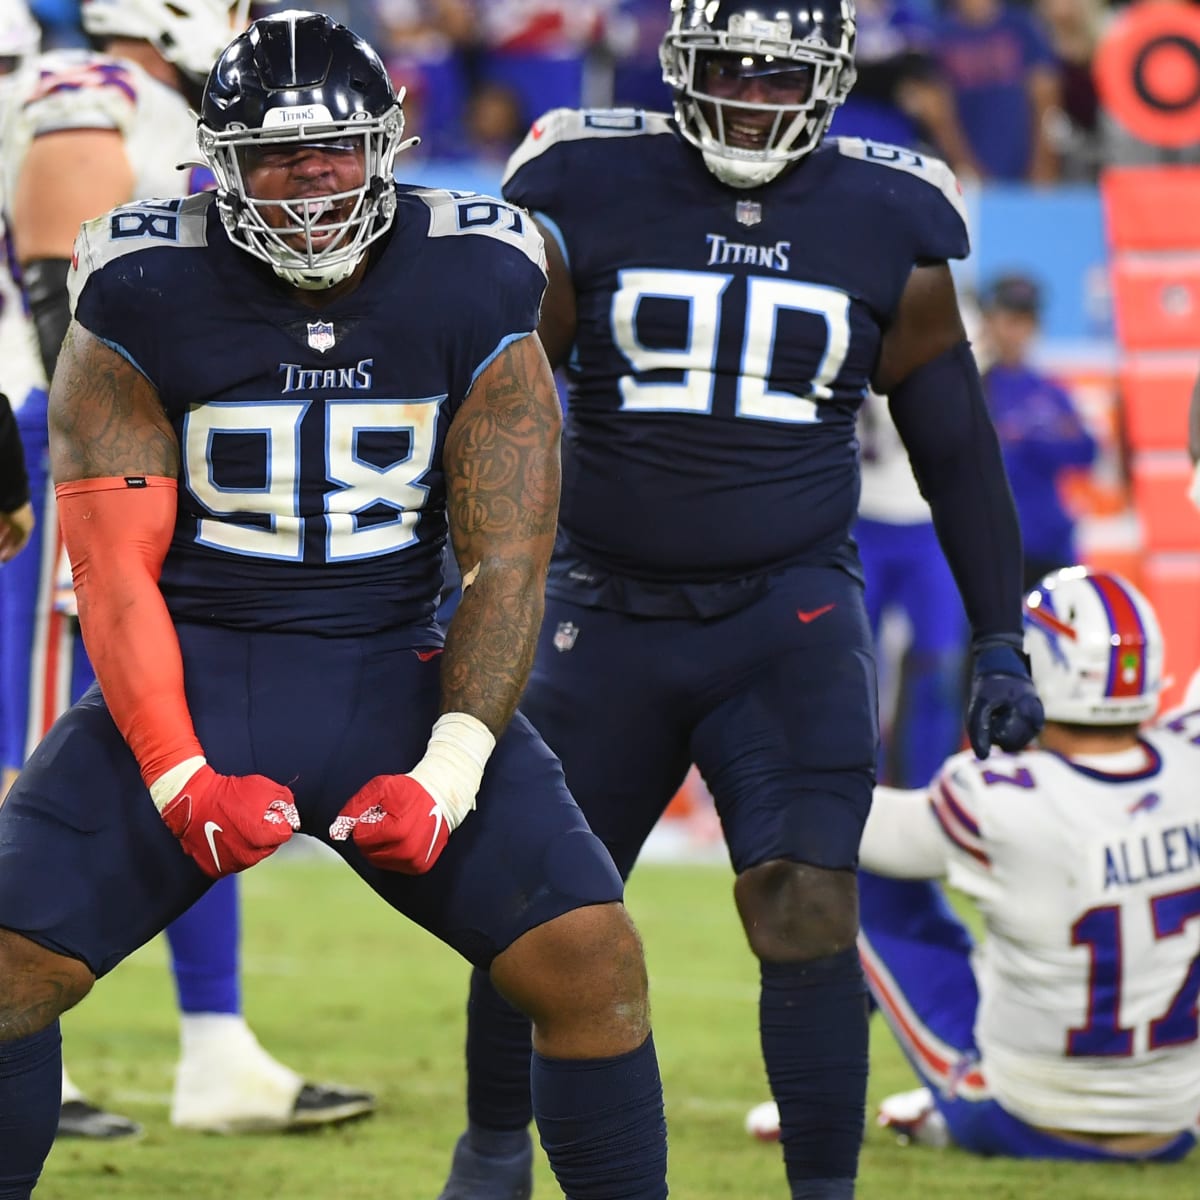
[
  {"x": 396, "y": 823},
  {"x": 230, "y": 822}
]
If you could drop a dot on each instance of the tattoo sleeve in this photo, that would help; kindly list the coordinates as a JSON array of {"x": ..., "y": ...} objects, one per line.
[
  {"x": 105, "y": 417},
  {"x": 502, "y": 480}
]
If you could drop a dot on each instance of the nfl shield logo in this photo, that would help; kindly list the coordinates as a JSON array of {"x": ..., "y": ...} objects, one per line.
[
  {"x": 320, "y": 335},
  {"x": 565, "y": 635},
  {"x": 749, "y": 212}
]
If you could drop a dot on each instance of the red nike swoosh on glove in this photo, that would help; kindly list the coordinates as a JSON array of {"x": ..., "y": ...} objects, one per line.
[{"x": 807, "y": 618}]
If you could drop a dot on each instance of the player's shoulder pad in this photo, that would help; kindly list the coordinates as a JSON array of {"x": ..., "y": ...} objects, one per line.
[
  {"x": 465, "y": 214},
  {"x": 566, "y": 125},
  {"x": 930, "y": 170},
  {"x": 140, "y": 225},
  {"x": 79, "y": 90}
]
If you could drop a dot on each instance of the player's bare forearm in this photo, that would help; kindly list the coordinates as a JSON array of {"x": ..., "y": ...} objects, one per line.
[
  {"x": 502, "y": 478},
  {"x": 105, "y": 417}
]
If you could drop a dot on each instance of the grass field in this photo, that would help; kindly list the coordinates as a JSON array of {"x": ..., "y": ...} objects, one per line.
[{"x": 340, "y": 987}]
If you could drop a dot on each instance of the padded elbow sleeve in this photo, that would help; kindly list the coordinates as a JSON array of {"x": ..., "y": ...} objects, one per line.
[
  {"x": 45, "y": 282},
  {"x": 942, "y": 418}
]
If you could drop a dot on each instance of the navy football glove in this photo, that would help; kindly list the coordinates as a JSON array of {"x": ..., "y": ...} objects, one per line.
[{"x": 1004, "y": 708}]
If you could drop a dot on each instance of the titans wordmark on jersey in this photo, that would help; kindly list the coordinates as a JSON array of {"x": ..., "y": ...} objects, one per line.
[
  {"x": 725, "y": 338},
  {"x": 311, "y": 489}
]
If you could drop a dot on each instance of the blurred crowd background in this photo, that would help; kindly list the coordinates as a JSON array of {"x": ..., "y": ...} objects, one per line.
[{"x": 1002, "y": 90}]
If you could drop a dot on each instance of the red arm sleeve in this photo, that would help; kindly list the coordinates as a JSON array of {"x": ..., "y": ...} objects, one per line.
[{"x": 117, "y": 532}]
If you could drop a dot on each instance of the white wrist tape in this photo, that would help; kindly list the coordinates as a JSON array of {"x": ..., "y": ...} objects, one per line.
[
  {"x": 170, "y": 783},
  {"x": 1194, "y": 490},
  {"x": 452, "y": 768}
]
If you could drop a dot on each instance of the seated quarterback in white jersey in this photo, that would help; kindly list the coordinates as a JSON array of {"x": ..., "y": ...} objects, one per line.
[{"x": 1070, "y": 1031}]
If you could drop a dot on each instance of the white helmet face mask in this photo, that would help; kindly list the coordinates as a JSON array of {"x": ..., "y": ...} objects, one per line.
[
  {"x": 748, "y": 142},
  {"x": 312, "y": 242},
  {"x": 188, "y": 33},
  {"x": 1095, "y": 648}
]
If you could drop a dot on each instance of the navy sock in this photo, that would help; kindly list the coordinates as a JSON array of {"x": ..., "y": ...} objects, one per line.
[
  {"x": 498, "y": 1050},
  {"x": 602, "y": 1125},
  {"x": 813, "y": 1022},
  {"x": 30, "y": 1097},
  {"x": 204, "y": 951}
]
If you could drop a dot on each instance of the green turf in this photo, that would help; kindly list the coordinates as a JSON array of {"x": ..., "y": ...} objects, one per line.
[{"x": 339, "y": 987}]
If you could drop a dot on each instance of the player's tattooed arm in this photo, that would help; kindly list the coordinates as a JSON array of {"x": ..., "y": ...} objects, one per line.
[
  {"x": 502, "y": 479},
  {"x": 105, "y": 417}
]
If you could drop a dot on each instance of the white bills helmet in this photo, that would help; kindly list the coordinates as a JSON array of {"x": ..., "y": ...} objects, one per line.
[
  {"x": 1095, "y": 648},
  {"x": 188, "y": 33}
]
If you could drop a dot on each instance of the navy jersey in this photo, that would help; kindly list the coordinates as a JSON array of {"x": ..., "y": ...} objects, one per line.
[
  {"x": 725, "y": 339},
  {"x": 311, "y": 492}
]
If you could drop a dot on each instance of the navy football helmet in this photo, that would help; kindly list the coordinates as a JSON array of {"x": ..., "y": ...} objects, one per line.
[
  {"x": 801, "y": 51},
  {"x": 300, "y": 77}
]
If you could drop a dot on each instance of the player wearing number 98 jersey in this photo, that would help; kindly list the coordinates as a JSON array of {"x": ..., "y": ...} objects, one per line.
[
  {"x": 272, "y": 406},
  {"x": 1070, "y": 1031},
  {"x": 724, "y": 287}
]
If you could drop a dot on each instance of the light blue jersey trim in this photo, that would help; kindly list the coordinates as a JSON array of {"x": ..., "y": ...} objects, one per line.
[
  {"x": 117, "y": 348},
  {"x": 491, "y": 358},
  {"x": 552, "y": 228}
]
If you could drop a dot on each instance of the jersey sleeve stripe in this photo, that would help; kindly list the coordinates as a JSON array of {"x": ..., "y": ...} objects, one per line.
[
  {"x": 939, "y": 1061},
  {"x": 959, "y": 808},
  {"x": 962, "y": 838}
]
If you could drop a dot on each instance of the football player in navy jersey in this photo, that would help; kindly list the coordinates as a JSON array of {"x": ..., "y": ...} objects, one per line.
[
  {"x": 724, "y": 287},
  {"x": 272, "y": 405}
]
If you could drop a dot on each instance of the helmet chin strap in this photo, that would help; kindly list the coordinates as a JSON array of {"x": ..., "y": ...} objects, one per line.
[
  {"x": 321, "y": 278},
  {"x": 740, "y": 174}
]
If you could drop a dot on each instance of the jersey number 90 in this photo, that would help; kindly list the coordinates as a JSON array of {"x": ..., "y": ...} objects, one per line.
[{"x": 697, "y": 360}]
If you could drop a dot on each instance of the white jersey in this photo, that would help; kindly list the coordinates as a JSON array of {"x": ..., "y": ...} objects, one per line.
[
  {"x": 889, "y": 488},
  {"x": 20, "y": 364},
  {"x": 75, "y": 89},
  {"x": 1087, "y": 875}
]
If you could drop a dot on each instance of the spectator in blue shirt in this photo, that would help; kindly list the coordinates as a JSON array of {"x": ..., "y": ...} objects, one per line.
[
  {"x": 1006, "y": 83},
  {"x": 1040, "y": 432},
  {"x": 901, "y": 95}
]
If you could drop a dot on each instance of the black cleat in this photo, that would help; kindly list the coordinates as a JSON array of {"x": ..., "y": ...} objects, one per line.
[
  {"x": 475, "y": 1176},
  {"x": 78, "y": 1118},
  {"x": 328, "y": 1104}
]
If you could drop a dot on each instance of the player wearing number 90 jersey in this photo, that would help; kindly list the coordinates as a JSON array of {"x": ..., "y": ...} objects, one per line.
[
  {"x": 724, "y": 341},
  {"x": 724, "y": 286}
]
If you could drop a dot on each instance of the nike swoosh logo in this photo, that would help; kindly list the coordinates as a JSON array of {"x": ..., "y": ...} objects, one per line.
[
  {"x": 436, "y": 813},
  {"x": 537, "y": 130},
  {"x": 807, "y": 618},
  {"x": 211, "y": 828}
]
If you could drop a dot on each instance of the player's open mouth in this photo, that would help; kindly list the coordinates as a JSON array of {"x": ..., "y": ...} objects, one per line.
[
  {"x": 326, "y": 223},
  {"x": 746, "y": 135}
]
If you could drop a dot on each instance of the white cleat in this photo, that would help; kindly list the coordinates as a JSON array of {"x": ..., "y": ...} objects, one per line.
[
  {"x": 762, "y": 1122},
  {"x": 227, "y": 1083},
  {"x": 914, "y": 1117}
]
